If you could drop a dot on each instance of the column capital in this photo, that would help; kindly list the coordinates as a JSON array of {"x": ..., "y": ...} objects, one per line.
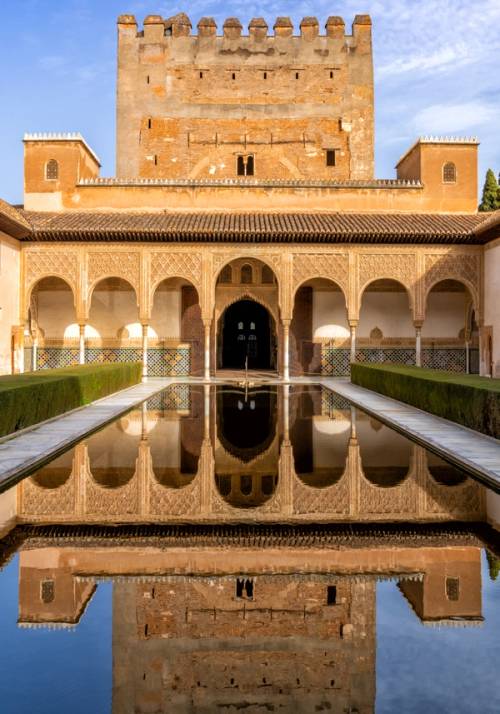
[
  {"x": 286, "y": 323},
  {"x": 353, "y": 323},
  {"x": 207, "y": 322},
  {"x": 418, "y": 324}
]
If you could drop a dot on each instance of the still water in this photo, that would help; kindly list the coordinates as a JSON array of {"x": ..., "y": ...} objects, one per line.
[{"x": 249, "y": 550}]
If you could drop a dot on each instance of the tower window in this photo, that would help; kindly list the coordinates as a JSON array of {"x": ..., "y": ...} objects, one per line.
[
  {"x": 47, "y": 591},
  {"x": 147, "y": 79},
  {"x": 201, "y": 75},
  {"x": 244, "y": 589},
  {"x": 331, "y": 74},
  {"x": 245, "y": 165},
  {"x": 449, "y": 173},
  {"x": 156, "y": 160},
  {"x": 331, "y": 595},
  {"x": 453, "y": 589},
  {"x": 233, "y": 76},
  {"x": 296, "y": 75},
  {"x": 149, "y": 123},
  {"x": 330, "y": 157},
  {"x": 52, "y": 170},
  {"x": 265, "y": 75}
]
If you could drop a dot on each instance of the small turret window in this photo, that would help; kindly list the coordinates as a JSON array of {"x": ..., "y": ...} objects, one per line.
[
  {"x": 330, "y": 157},
  {"x": 449, "y": 173},
  {"x": 52, "y": 170},
  {"x": 245, "y": 165}
]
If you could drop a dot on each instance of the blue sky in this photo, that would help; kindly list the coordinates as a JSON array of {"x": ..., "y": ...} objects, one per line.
[{"x": 436, "y": 70}]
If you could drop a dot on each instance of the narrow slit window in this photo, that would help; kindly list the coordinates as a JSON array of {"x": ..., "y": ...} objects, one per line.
[
  {"x": 449, "y": 173},
  {"x": 331, "y": 595},
  {"x": 331, "y": 75},
  {"x": 330, "y": 157},
  {"x": 296, "y": 75},
  {"x": 250, "y": 166},
  {"x": 233, "y": 76},
  {"x": 149, "y": 123},
  {"x": 147, "y": 79},
  {"x": 201, "y": 75},
  {"x": 52, "y": 170},
  {"x": 265, "y": 75}
]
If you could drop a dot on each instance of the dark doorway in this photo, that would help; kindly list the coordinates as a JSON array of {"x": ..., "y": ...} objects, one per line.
[{"x": 247, "y": 330}]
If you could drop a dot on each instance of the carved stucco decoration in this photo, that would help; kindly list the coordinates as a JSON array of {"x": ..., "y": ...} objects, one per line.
[
  {"x": 121, "y": 264},
  {"x": 464, "y": 267},
  {"x": 37, "y": 502},
  {"x": 321, "y": 265},
  {"x": 388, "y": 266},
  {"x": 179, "y": 265},
  {"x": 169, "y": 502},
  {"x": 331, "y": 500},
  {"x": 40, "y": 264},
  {"x": 464, "y": 501}
]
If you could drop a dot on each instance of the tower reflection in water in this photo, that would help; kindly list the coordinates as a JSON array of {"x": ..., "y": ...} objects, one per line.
[{"x": 267, "y": 611}]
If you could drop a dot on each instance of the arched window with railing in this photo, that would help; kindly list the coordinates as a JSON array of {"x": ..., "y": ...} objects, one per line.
[
  {"x": 52, "y": 170},
  {"x": 246, "y": 274},
  {"x": 449, "y": 173}
]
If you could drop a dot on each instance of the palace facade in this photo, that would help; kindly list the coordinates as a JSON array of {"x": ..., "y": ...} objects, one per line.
[{"x": 245, "y": 226}]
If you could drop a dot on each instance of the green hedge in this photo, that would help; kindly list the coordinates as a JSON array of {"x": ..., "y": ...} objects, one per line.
[
  {"x": 467, "y": 399},
  {"x": 30, "y": 398}
]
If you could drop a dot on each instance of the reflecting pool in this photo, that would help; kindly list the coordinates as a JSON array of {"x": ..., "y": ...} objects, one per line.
[{"x": 227, "y": 549}]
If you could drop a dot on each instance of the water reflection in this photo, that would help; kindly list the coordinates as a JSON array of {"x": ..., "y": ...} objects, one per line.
[
  {"x": 227, "y": 454},
  {"x": 246, "y": 533}
]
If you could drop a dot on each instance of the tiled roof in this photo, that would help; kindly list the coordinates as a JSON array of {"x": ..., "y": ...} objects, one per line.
[
  {"x": 256, "y": 227},
  {"x": 489, "y": 228},
  {"x": 12, "y": 221}
]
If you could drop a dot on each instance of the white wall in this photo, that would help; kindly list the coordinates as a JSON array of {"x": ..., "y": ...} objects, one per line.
[
  {"x": 56, "y": 313},
  {"x": 166, "y": 313},
  {"x": 390, "y": 312},
  {"x": 9, "y": 297},
  {"x": 492, "y": 297},
  {"x": 445, "y": 314},
  {"x": 329, "y": 314},
  {"x": 110, "y": 311}
]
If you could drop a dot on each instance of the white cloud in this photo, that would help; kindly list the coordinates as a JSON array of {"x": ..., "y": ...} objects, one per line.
[{"x": 454, "y": 118}]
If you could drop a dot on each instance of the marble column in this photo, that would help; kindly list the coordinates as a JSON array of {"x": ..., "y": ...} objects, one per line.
[
  {"x": 34, "y": 352},
  {"x": 286, "y": 350},
  {"x": 207, "y": 326},
  {"x": 418, "y": 344},
  {"x": 145, "y": 329},
  {"x": 82, "y": 344},
  {"x": 352, "y": 326}
]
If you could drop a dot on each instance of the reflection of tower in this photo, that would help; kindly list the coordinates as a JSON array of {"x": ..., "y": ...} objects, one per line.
[{"x": 260, "y": 644}]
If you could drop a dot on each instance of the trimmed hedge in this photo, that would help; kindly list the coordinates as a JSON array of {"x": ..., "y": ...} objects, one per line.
[
  {"x": 27, "y": 399},
  {"x": 470, "y": 400}
]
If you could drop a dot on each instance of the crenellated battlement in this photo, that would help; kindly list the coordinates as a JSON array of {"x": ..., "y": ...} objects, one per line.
[{"x": 156, "y": 28}]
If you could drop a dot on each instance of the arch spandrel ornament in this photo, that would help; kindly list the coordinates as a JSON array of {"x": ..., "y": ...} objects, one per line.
[
  {"x": 122, "y": 264},
  {"x": 401, "y": 267},
  {"x": 176, "y": 265},
  {"x": 333, "y": 267},
  {"x": 463, "y": 267},
  {"x": 48, "y": 263}
]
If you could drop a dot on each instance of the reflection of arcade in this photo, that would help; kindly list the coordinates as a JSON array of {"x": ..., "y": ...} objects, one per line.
[
  {"x": 221, "y": 455},
  {"x": 195, "y": 640},
  {"x": 247, "y": 445}
]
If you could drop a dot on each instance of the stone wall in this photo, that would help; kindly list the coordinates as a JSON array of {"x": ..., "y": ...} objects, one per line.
[{"x": 189, "y": 105}]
